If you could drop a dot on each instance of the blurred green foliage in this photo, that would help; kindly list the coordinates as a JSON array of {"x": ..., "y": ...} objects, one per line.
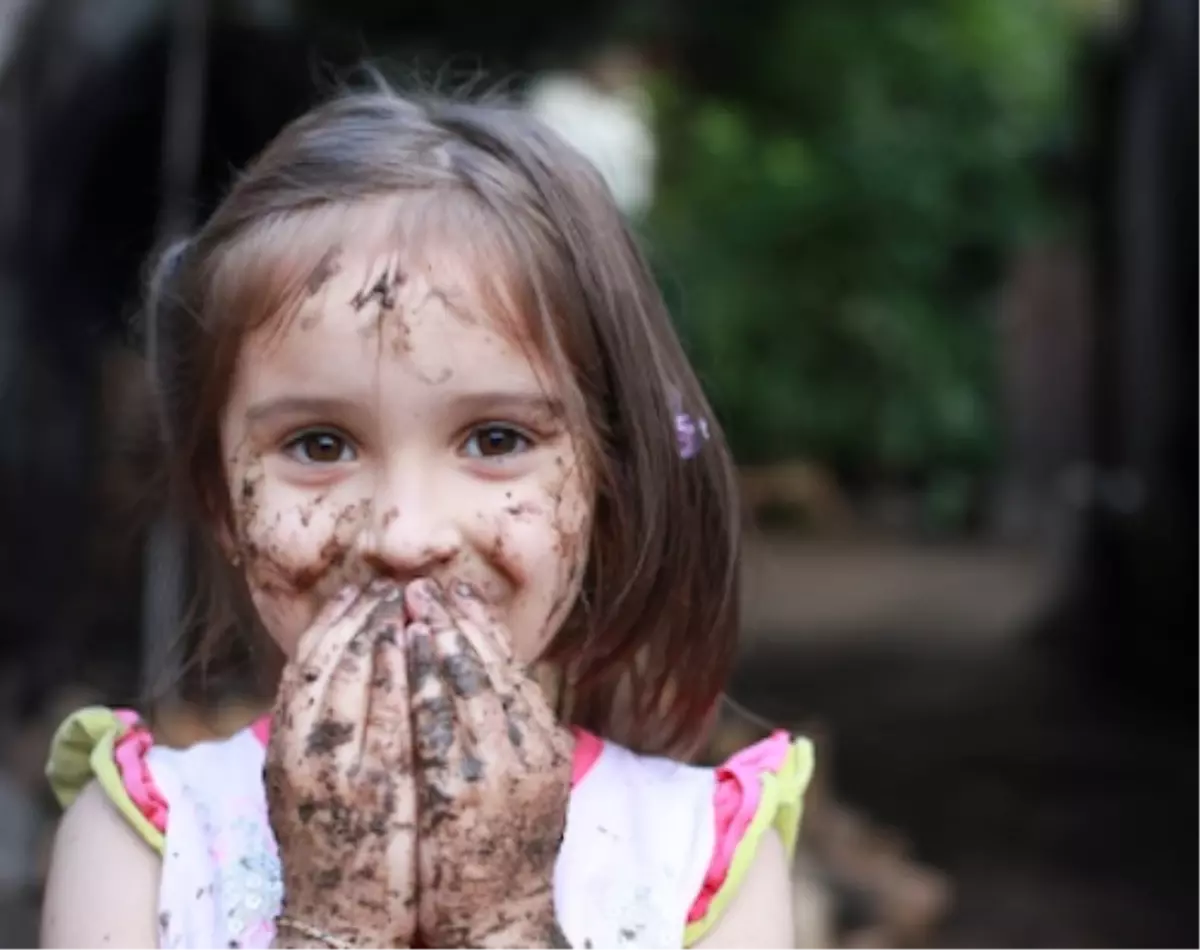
[{"x": 830, "y": 229}]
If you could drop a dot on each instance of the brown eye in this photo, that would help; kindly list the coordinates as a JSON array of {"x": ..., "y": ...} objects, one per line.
[
  {"x": 495, "y": 441},
  {"x": 320, "y": 448}
]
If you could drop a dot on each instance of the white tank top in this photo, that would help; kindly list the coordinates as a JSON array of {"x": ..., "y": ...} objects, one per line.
[{"x": 639, "y": 839}]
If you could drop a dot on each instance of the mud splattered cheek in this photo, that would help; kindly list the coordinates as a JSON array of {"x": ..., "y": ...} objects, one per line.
[
  {"x": 540, "y": 537},
  {"x": 306, "y": 544},
  {"x": 294, "y": 546}
]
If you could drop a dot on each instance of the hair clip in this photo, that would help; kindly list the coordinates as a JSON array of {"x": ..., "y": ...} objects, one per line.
[{"x": 690, "y": 433}]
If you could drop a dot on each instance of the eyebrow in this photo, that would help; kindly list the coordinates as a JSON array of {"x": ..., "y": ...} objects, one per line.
[
  {"x": 501, "y": 401},
  {"x": 285, "y": 407},
  {"x": 473, "y": 403}
]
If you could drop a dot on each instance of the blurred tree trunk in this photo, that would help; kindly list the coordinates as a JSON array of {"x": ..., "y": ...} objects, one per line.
[{"x": 1132, "y": 619}]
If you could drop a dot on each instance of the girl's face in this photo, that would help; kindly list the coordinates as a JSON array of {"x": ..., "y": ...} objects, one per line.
[{"x": 395, "y": 428}]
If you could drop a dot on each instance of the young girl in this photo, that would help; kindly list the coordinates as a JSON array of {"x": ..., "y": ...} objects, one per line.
[{"x": 419, "y": 386}]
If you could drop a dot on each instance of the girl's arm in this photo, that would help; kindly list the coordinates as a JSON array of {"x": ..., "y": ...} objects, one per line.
[
  {"x": 760, "y": 915},
  {"x": 102, "y": 887}
]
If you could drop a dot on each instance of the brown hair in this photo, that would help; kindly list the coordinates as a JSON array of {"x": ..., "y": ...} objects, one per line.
[{"x": 655, "y": 625}]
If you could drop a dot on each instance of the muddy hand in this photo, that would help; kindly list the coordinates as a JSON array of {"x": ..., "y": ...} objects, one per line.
[
  {"x": 493, "y": 777},
  {"x": 339, "y": 779}
]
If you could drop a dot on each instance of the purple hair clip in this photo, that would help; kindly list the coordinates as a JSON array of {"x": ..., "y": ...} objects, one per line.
[{"x": 690, "y": 433}]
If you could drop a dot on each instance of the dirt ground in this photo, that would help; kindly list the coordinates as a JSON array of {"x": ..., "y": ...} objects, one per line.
[
  {"x": 1058, "y": 823},
  {"x": 1061, "y": 818}
]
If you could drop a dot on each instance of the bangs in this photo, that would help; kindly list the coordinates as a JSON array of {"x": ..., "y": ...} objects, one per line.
[
  {"x": 484, "y": 266},
  {"x": 481, "y": 267}
]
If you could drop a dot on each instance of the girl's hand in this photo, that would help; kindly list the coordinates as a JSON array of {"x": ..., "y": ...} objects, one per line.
[
  {"x": 493, "y": 775},
  {"x": 339, "y": 778}
]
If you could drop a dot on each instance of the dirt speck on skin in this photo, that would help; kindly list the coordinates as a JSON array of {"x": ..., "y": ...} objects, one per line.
[
  {"x": 327, "y": 268},
  {"x": 327, "y": 735},
  {"x": 444, "y": 376},
  {"x": 514, "y": 732},
  {"x": 465, "y": 673},
  {"x": 451, "y": 306},
  {"x": 472, "y": 768},
  {"x": 329, "y": 878},
  {"x": 498, "y": 547},
  {"x": 308, "y": 510},
  {"x": 332, "y": 556},
  {"x": 524, "y": 509}
]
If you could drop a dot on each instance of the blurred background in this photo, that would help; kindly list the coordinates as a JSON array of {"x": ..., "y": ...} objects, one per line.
[{"x": 935, "y": 263}]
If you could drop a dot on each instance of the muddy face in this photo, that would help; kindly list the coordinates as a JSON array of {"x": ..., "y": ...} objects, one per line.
[{"x": 396, "y": 428}]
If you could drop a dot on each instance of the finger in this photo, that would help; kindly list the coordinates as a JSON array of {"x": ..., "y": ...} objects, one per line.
[
  {"x": 524, "y": 702},
  {"x": 428, "y": 605},
  {"x": 341, "y": 726},
  {"x": 472, "y": 668},
  {"x": 319, "y": 644},
  {"x": 333, "y": 611},
  {"x": 387, "y": 719},
  {"x": 308, "y": 712},
  {"x": 389, "y": 750},
  {"x": 465, "y": 603},
  {"x": 532, "y": 727},
  {"x": 373, "y": 779},
  {"x": 487, "y": 737},
  {"x": 434, "y": 722}
]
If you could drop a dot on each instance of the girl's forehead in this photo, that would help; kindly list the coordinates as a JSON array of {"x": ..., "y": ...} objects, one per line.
[
  {"x": 388, "y": 258},
  {"x": 408, "y": 283}
]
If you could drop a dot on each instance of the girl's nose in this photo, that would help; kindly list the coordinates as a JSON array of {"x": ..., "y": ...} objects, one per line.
[{"x": 411, "y": 532}]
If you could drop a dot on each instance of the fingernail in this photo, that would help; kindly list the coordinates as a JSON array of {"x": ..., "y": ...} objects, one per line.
[{"x": 419, "y": 598}]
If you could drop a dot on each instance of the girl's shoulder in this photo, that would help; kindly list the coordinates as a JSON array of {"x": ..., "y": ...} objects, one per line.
[
  {"x": 117, "y": 751},
  {"x": 707, "y": 825},
  {"x": 202, "y": 810}
]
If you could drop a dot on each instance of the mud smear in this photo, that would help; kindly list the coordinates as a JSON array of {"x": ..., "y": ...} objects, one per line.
[
  {"x": 328, "y": 267},
  {"x": 327, "y": 735},
  {"x": 525, "y": 509},
  {"x": 268, "y": 564},
  {"x": 464, "y": 671},
  {"x": 334, "y": 806},
  {"x": 380, "y": 291},
  {"x": 494, "y": 813}
]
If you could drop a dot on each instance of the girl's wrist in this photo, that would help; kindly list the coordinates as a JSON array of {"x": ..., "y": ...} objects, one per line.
[{"x": 300, "y": 935}]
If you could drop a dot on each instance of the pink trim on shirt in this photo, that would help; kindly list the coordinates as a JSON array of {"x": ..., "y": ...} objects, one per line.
[
  {"x": 735, "y": 803},
  {"x": 587, "y": 750},
  {"x": 129, "y": 754},
  {"x": 262, "y": 729}
]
